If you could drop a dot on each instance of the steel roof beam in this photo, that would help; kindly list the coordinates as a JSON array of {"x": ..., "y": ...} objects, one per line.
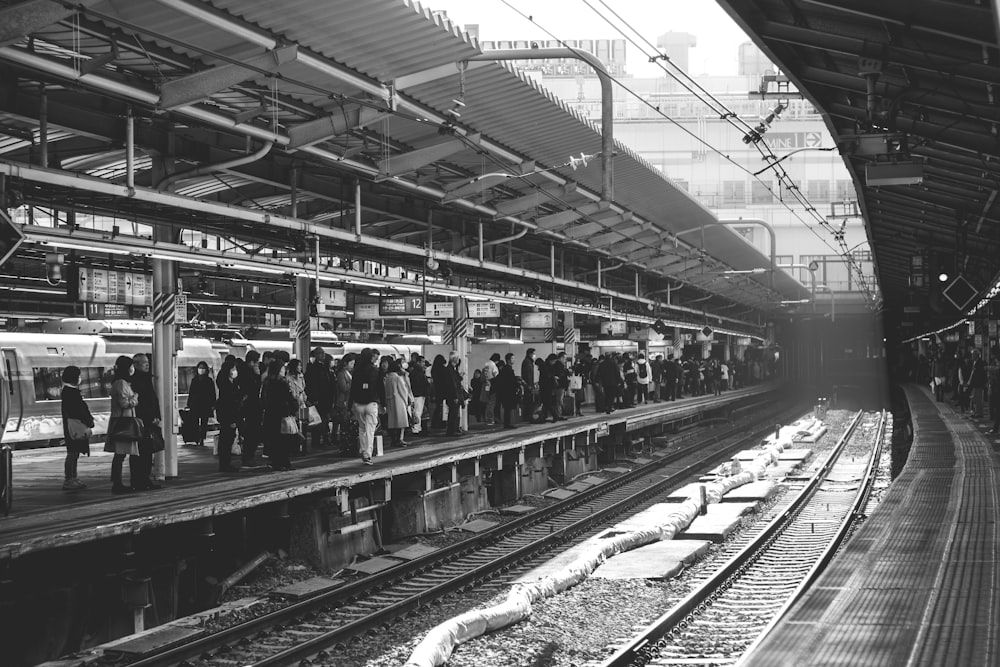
[
  {"x": 334, "y": 125},
  {"x": 581, "y": 231},
  {"x": 201, "y": 85},
  {"x": 850, "y": 46},
  {"x": 563, "y": 218},
  {"x": 542, "y": 194},
  {"x": 476, "y": 184},
  {"x": 19, "y": 20},
  {"x": 396, "y": 165},
  {"x": 966, "y": 23}
]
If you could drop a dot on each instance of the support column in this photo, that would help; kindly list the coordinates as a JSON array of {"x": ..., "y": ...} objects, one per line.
[
  {"x": 164, "y": 366},
  {"x": 569, "y": 344},
  {"x": 302, "y": 327},
  {"x": 462, "y": 346}
]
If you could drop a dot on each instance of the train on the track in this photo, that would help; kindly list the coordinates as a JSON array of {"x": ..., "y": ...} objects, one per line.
[{"x": 32, "y": 365}]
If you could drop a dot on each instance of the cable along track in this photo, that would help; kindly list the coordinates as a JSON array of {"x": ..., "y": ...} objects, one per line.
[
  {"x": 735, "y": 606},
  {"x": 311, "y": 628}
]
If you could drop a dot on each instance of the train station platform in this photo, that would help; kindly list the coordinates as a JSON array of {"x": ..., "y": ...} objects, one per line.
[
  {"x": 45, "y": 517},
  {"x": 919, "y": 582}
]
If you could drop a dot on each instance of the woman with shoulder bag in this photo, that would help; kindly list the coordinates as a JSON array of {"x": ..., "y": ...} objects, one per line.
[
  {"x": 297, "y": 384},
  {"x": 124, "y": 428},
  {"x": 280, "y": 422},
  {"x": 399, "y": 402},
  {"x": 77, "y": 425}
]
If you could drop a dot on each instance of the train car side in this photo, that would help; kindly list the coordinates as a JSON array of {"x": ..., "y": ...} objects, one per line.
[{"x": 32, "y": 377}]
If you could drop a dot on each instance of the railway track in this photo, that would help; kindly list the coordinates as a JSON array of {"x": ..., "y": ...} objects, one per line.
[
  {"x": 734, "y": 606},
  {"x": 311, "y": 628}
]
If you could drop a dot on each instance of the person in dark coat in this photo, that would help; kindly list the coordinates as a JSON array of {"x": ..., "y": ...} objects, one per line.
[
  {"x": 445, "y": 391},
  {"x": 74, "y": 407},
  {"x": 420, "y": 387},
  {"x": 249, "y": 422},
  {"x": 201, "y": 400},
  {"x": 610, "y": 379},
  {"x": 319, "y": 392},
  {"x": 547, "y": 388},
  {"x": 227, "y": 409},
  {"x": 148, "y": 410},
  {"x": 278, "y": 403},
  {"x": 529, "y": 374},
  {"x": 505, "y": 388}
]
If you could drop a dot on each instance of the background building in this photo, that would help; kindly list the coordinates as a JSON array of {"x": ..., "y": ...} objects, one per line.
[{"x": 676, "y": 131}]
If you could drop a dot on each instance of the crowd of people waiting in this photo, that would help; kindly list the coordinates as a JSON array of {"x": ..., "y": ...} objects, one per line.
[
  {"x": 273, "y": 405},
  {"x": 965, "y": 379}
]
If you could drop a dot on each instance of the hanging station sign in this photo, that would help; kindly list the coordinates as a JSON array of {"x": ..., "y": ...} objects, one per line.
[
  {"x": 401, "y": 306},
  {"x": 536, "y": 320},
  {"x": 484, "y": 310},
  {"x": 115, "y": 287},
  {"x": 440, "y": 309},
  {"x": 366, "y": 311}
]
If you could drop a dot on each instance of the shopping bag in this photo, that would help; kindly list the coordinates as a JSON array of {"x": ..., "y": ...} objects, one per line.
[{"x": 312, "y": 416}]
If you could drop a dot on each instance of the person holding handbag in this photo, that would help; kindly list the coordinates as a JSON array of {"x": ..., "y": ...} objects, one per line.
[
  {"x": 77, "y": 425},
  {"x": 280, "y": 420},
  {"x": 297, "y": 384},
  {"x": 124, "y": 428},
  {"x": 398, "y": 401}
]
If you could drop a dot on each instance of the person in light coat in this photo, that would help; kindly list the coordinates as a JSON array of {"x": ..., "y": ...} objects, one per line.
[
  {"x": 488, "y": 397},
  {"x": 123, "y": 402},
  {"x": 398, "y": 403}
]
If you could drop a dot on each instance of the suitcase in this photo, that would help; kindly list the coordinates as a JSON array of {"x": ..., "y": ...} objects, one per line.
[{"x": 189, "y": 427}]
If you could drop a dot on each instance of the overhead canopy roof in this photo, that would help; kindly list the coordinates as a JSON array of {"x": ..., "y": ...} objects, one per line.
[
  {"x": 345, "y": 90},
  {"x": 935, "y": 68}
]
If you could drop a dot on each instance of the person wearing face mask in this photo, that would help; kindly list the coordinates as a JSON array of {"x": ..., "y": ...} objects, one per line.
[
  {"x": 77, "y": 440},
  {"x": 227, "y": 409},
  {"x": 124, "y": 399},
  {"x": 201, "y": 399}
]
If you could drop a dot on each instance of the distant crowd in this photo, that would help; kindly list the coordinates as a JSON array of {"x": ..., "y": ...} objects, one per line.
[{"x": 273, "y": 406}]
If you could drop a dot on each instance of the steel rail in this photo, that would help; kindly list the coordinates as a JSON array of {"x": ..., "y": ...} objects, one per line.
[
  {"x": 642, "y": 649},
  {"x": 824, "y": 560},
  {"x": 379, "y": 582}
]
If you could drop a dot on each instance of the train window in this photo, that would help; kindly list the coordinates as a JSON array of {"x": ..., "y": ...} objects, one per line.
[
  {"x": 184, "y": 376},
  {"x": 94, "y": 383}
]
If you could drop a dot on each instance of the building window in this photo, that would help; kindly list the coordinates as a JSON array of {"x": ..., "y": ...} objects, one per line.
[
  {"x": 818, "y": 191},
  {"x": 846, "y": 191},
  {"x": 760, "y": 192},
  {"x": 733, "y": 193}
]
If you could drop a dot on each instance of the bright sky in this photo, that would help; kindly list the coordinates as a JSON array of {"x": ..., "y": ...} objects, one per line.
[{"x": 717, "y": 36}]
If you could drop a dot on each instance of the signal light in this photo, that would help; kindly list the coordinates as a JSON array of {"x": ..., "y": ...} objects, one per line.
[
  {"x": 943, "y": 277},
  {"x": 53, "y": 267}
]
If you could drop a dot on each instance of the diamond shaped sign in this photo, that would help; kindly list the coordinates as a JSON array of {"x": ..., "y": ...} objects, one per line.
[{"x": 960, "y": 293}]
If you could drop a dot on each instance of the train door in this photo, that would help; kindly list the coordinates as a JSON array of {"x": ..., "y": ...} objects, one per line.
[{"x": 11, "y": 411}]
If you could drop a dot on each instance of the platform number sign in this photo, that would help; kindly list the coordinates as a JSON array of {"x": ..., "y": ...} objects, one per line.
[{"x": 401, "y": 305}]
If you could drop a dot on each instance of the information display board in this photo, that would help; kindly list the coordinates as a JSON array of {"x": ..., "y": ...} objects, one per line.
[
  {"x": 401, "y": 306},
  {"x": 440, "y": 309},
  {"x": 484, "y": 310},
  {"x": 366, "y": 311},
  {"x": 120, "y": 287},
  {"x": 536, "y": 320}
]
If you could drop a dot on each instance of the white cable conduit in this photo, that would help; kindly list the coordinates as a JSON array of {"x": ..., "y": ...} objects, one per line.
[
  {"x": 436, "y": 648},
  {"x": 167, "y": 181}
]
